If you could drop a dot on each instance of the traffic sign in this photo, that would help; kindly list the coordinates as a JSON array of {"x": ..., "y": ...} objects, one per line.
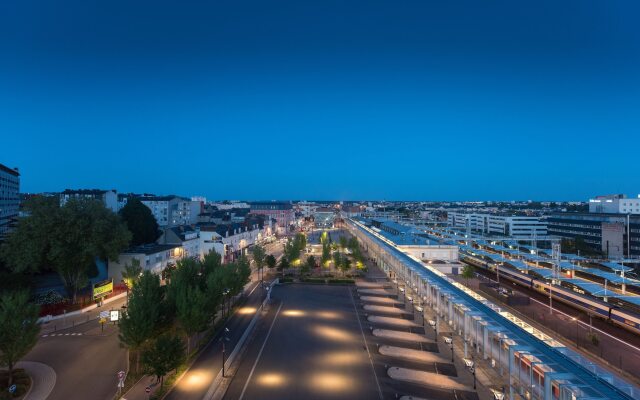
[
  {"x": 104, "y": 314},
  {"x": 147, "y": 390},
  {"x": 114, "y": 316},
  {"x": 12, "y": 388}
]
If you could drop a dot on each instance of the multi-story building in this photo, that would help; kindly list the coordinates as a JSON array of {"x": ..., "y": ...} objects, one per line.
[
  {"x": 186, "y": 236},
  {"x": 9, "y": 198},
  {"x": 614, "y": 234},
  {"x": 495, "y": 224},
  {"x": 152, "y": 257},
  {"x": 172, "y": 210},
  {"x": 614, "y": 204},
  {"x": 282, "y": 212},
  {"x": 107, "y": 197},
  {"x": 231, "y": 240}
]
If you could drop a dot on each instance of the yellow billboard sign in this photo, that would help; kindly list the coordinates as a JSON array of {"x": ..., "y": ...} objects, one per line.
[{"x": 102, "y": 289}]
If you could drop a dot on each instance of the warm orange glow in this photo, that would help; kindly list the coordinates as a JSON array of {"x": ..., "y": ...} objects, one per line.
[
  {"x": 328, "y": 315},
  {"x": 195, "y": 380},
  {"x": 329, "y": 332},
  {"x": 271, "y": 380},
  {"x": 331, "y": 382},
  {"x": 293, "y": 313},
  {"x": 247, "y": 310}
]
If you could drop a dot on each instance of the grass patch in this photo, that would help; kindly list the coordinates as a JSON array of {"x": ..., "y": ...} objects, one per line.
[
  {"x": 20, "y": 379},
  {"x": 341, "y": 281}
]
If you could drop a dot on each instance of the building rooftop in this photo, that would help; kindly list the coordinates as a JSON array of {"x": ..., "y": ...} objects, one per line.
[
  {"x": 151, "y": 248},
  {"x": 11, "y": 171}
]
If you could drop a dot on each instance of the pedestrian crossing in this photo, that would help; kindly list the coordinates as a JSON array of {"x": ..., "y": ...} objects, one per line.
[{"x": 62, "y": 334}]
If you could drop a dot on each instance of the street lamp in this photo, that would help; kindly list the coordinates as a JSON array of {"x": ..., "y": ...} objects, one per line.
[
  {"x": 432, "y": 324},
  {"x": 225, "y": 292},
  {"x": 224, "y": 339},
  {"x": 468, "y": 362},
  {"x": 498, "y": 394},
  {"x": 449, "y": 341}
]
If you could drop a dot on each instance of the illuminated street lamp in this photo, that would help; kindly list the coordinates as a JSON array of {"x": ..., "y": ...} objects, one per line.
[
  {"x": 469, "y": 363},
  {"x": 224, "y": 339},
  {"x": 449, "y": 341},
  {"x": 225, "y": 292},
  {"x": 498, "y": 394},
  {"x": 432, "y": 324}
]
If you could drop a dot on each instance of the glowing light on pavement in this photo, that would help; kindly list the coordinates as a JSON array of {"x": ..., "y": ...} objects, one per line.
[
  {"x": 293, "y": 313},
  {"x": 331, "y": 382},
  {"x": 247, "y": 310},
  {"x": 329, "y": 332},
  {"x": 271, "y": 380}
]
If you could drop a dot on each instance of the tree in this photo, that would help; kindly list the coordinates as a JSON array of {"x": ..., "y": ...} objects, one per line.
[
  {"x": 259, "y": 255},
  {"x": 144, "y": 314},
  {"x": 131, "y": 273},
  {"x": 342, "y": 240},
  {"x": 337, "y": 260},
  {"x": 68, "y": 238},
  {"x": 308, "y": 265},
  {"x": 271, "y": 261},
  {"x": 26, "y": 248},
  {"x": 85, "y": 230},
  {"x": 140, "y": 221},
  {"x": 326, "y": 253},
  {"x": 283, "y": 264},
  {"x": 162, "y": 355},
  {"x": 19, "y": 328},
  {"x": 189, "y": 299},
  {"x": 346, "y": 265},
  {"x": 468, "y": 273}
]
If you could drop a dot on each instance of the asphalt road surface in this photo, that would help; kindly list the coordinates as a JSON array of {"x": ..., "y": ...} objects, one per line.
[
  {"x": 309, "y": 347},
  {"x": 197, "y": 380},
  {"x": 85, "y": 359}
]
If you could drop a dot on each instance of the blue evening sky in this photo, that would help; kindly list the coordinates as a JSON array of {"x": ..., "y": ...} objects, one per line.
[{"x": 245, "y": 99}]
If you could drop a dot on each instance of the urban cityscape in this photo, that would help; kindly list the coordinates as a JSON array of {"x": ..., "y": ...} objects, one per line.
[{"x": 319, "y": 200}]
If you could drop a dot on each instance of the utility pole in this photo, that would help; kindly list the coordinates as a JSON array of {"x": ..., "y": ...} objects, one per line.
[{"x": 556, "y": 254}]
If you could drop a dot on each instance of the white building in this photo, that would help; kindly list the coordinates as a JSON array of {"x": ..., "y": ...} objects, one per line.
[
  {"x": 186, "y": 236},
  {"x": 152, "y": 257},
  {"x": 108, "y": 197},
  {"x": 228, "y": 205},
  {"x": 172, "y": 210},
  {"x": 231, "y": 240},
  {"x": 615, "y": 204},
  {"x": 9, "y": 197},
  {"x": 495, "y": 224}
]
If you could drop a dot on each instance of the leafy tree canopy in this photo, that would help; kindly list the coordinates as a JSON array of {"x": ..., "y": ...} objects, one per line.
[{"x": 140, "y": 222}]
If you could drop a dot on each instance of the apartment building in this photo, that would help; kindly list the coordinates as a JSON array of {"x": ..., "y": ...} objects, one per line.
[
  {"x": 107, "y": 197},
  {"x": 9, "y": 198}
]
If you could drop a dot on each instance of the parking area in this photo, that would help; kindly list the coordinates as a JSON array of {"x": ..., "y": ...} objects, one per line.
[
  {"x": 309, "y": 346},
  {"x": 345, "y": 342}
]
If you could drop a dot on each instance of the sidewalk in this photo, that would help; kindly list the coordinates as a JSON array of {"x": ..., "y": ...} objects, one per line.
[
  {"x": 137, "y": 392},
  {"x": 81, "y": 317},
  {"x": 43, "y": 379}
]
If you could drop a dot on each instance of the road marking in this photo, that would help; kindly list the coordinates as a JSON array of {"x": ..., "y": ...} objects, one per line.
[
  {"x": 246, "y": 384},
  {"x": 366, "y": 345},
  {"x": 45, "y": 335}
]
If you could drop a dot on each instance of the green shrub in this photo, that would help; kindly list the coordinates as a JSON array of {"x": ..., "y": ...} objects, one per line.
[{"x": 342, "y": 281}]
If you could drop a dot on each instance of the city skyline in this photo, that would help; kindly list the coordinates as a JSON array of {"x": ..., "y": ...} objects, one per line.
[{"x": 335, "y": 101}]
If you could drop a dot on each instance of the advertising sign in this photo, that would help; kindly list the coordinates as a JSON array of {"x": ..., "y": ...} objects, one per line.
[{"x": 102, "y": 289}]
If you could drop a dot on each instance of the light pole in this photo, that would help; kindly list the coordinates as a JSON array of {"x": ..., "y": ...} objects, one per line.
[
  {"x": 469, "y": 363},
  {"x": 224, "y": 339},
  {"x": 433, "y": 324},
  {"x": 225, "y": 292},
  {"x": 449, "y": 341}
]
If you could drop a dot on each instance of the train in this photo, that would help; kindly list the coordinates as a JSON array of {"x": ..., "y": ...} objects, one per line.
[{"x": 612, "y": 313}]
